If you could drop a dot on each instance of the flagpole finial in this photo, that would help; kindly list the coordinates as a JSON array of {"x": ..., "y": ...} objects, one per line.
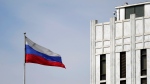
[{"x": 25, "y": 34}]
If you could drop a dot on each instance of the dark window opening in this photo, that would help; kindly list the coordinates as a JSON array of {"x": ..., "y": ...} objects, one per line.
[
  {"x": 123, "y": 65},
  {"x": 123, "y": 82},
  {"x": 102, "y": 83},
  {"x": 137, "y": 10},
  {"x": 103, "y": 67},
  {"x": 144, "y": 81},
  {"x": 143, "y": 62},
  {"x": 128, "y": 11}
]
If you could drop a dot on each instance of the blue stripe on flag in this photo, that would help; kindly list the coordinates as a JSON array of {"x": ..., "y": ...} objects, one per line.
[{"x": 30, "y": 50}]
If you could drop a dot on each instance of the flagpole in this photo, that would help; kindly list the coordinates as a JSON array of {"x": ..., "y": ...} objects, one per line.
[{"x": 24, "y": 59}]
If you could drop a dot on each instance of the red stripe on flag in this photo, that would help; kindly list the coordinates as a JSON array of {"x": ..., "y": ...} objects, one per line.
[{"x": 31, "y": 58}]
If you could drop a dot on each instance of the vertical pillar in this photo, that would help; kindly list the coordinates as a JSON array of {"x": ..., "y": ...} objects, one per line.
[
  {"x": 133, "y": 57},
  {"x": 112, "y": 51},
  {"x": 117, "y": 71},
  {"x": 138, "y": 67},
  {"x": 129, "y": 67},
  {"x": 92, "y": 52}
]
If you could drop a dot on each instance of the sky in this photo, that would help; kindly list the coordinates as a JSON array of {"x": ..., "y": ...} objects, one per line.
[{"x": 62, "y": 26}]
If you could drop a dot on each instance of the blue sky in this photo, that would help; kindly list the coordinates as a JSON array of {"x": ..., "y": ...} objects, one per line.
[{"x": 63, "y": 26}]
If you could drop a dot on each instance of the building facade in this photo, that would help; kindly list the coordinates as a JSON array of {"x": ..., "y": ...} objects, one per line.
[{"x": 120, "y": 48}]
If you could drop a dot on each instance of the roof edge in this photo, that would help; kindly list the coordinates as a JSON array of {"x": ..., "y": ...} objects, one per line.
[{"x": 132, "y": 5}]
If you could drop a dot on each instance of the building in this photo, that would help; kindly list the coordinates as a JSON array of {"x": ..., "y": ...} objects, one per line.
[{"x": 120, "y": 48}]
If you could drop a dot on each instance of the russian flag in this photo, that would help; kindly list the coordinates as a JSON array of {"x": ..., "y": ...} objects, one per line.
[{"x": 35, "y": 53}]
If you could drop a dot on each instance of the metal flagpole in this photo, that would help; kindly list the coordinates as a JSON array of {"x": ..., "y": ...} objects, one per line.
[{"x": 24, "y": 59}]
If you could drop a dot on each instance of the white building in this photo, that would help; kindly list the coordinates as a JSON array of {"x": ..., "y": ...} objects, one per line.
[{"x": 120, "y": 48}]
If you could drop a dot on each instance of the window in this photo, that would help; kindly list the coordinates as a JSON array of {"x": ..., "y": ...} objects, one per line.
[
  {"x": 123, "y": 65},
  {"x": 103, "y": 67},
  {"x": 144, "y": 81},
  {"x": 102, "y": 83},
  {"x": 123, "y": 82},
  {"x": 128, "y": 11},
  {"x": 143, "y": 62},
  {"x": 137, "y": 10}
]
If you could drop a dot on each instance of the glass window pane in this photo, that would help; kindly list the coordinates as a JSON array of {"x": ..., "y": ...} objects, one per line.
[
  {"x": 103, "y": 70},
  {"x": 144, "y": 81},
  {"x": 103, "y": 77},
  {"x": 122, "y": 65},
  {"x": 103, "y": 67},
  {"x": 139, "y": 11},
  {"x": 102, "y": 83},
  {"x": 143, "y": 72},
  {"x": 103, "y": 57},
  {"x": 143, "y": 52},
  {"x": 143, "y": 62},
  {"x": 123, "y": 82},
  {"x": 128, "y": 11}
]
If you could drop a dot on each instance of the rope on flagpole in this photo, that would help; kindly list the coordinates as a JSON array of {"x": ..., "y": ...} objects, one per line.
[{"x": 24, "y": 59}]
